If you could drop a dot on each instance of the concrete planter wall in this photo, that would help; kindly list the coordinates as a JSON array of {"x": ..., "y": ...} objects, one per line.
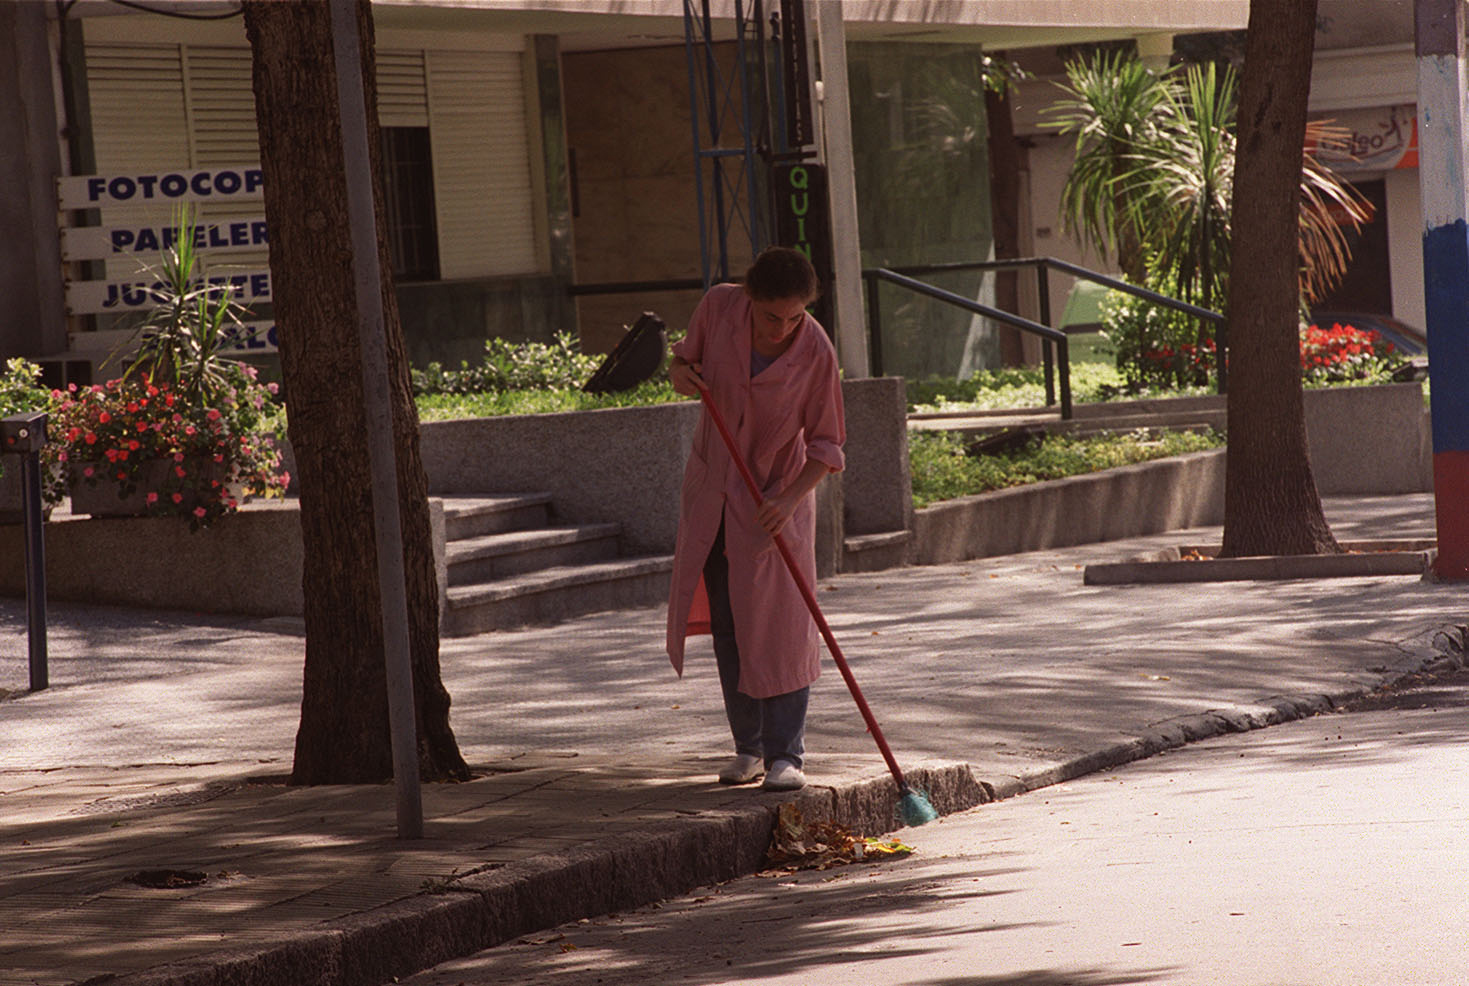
[
  {"x": 248, "y": 562},
  {"x": 620, "y": 464},
  {"x": 626, "y": 464},
  {"x": 1369, "y": 439},
  {"x": 1104, "y": 506}
]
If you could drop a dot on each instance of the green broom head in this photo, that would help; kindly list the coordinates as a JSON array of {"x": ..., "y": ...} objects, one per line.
[{"x": 915, "y": 808}]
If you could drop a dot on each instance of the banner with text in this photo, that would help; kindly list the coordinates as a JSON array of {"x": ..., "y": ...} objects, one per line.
[{"x": 116, "y": 297}]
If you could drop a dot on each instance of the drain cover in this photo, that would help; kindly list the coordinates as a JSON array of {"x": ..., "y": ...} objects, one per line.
[{"x": 168, "y": 879}]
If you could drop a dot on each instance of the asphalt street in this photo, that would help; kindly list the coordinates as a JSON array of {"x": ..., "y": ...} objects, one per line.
[{"x": 1327, "y": 851}]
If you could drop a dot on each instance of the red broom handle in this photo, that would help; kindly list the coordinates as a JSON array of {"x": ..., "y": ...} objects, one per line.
[{"x": 806, "y": 594}]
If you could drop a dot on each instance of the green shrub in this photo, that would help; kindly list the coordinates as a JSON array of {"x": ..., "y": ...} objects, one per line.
[
  {"x": 21, "y": 391},
  {"x": 941, "y": 470},
  {"x": 1157, "y": 347},
  {"x": 20, "y": 388},
  {"x": 512, "y": 366}
]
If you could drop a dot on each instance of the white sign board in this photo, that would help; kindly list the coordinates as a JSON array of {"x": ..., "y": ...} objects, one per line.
[
  {"x": 206, "y": 185},
  {"x": 98, "y": 242},
  {"x": 250, "y": 338},
  {"x": 114, "y": 297}
]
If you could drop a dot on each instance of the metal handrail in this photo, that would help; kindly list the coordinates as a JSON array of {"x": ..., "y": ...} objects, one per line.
[
  {"x": 1043, "y": 266},
  {"x": 1053, "y": 337},
  {"x": 635, "y": 287}
]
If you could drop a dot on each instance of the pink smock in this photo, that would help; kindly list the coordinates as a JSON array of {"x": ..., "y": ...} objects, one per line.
[{"x": 789, "y": 414}]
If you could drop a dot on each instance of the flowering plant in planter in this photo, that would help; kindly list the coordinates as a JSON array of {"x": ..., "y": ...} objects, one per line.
[
  {"x": 185, "y": 430},
  {"x": 169, "y": 455}
]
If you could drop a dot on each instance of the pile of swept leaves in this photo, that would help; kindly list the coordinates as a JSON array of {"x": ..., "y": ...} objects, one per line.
[{"x": 801, "y": 845}]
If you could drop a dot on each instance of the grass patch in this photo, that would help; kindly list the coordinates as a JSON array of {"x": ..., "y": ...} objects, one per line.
[
  {"x": 444, "y": 407},
  {"x": 942, "y": 471}
]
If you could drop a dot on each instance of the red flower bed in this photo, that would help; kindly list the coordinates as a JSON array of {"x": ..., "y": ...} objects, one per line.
[{"x": 1344, "y": 352}]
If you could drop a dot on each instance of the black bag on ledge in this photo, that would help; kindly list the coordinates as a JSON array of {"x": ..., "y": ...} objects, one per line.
[{"x": 637, "y": 357}]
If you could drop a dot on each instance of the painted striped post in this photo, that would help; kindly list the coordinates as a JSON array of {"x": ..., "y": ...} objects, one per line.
[{"x": 1439, "y": 29}]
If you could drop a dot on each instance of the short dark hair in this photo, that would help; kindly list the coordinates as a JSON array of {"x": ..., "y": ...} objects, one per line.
[{"x": 782, "y": 272}]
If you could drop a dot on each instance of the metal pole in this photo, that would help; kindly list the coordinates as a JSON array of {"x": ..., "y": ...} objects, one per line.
[
  {"x": 690, "y": 53},
  {"x": 362, "y": 217},
  {"x": 30, "y": 480},
  {"x": 1441, "y": 176},
  {"x": 1043, "y": 288},
  {"x": 874, "y": 324}
]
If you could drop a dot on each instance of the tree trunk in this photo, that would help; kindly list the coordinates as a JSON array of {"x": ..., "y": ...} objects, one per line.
[
  {"x": 1004, "y": 160},
  {"x": 344, "y": 734},
  {"x": 1271, "y": 506}
]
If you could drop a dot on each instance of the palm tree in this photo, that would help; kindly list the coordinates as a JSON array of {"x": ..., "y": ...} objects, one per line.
[
  {"x": 1179, "y": 184},
  {"x": 1113, "y": 105},
  {"x": 1169, "y": 179}
]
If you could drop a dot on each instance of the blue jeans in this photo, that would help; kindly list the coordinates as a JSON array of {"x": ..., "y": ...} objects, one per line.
[{"x": 772, "y": 728}]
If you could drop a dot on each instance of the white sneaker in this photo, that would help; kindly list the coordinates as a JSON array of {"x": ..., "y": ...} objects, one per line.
[
  {"x": 742, "y": 770},
  {"x": 784, "y": 776}
]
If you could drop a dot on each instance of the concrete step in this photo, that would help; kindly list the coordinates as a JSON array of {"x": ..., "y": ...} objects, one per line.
[
  {"x": 474, "y": 515},
  {"x": 493, "y": 556},
  {"x": 876, "y": 552},
  {"x": 554, "y": 594}
]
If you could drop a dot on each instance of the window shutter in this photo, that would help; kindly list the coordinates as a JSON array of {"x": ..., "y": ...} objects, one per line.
[
  {"x": 138, "y": 123},
  {"x": 402, "y": 92},
  {"x": 223, "y": 132},
  {"x": 481, "y": 156}
]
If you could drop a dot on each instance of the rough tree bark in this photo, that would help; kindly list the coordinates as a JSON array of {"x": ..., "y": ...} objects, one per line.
[
  {"x": 344, "y": 734},
  {"x": 1271, "y": 505}
]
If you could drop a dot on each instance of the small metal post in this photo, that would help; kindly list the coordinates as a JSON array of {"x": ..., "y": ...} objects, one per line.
[
  {"x": 874, "y": 324},
  {"x": 24, "y": 435},
  {"x": 30, "y": 478}
]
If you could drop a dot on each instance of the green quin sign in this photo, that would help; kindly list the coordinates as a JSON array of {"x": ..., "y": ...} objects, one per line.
[{"x": 802, "y": 219}]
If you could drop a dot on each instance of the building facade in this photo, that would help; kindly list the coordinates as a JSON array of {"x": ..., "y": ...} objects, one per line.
[{"x": 528, "y": 148}]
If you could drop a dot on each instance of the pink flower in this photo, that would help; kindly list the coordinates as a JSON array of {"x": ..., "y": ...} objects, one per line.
[
  {"x": 152, "y": 497},
  {"x": 87, "y": 472},
  {"x": 178, "y": 498},
  {"x": 213, "y": 414},
  {"x": 180, "y": 471},
  {"x": 200, "y": 511}
]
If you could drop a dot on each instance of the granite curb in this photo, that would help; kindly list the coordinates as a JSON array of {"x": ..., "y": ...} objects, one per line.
[{"x": 495, "y": 905}]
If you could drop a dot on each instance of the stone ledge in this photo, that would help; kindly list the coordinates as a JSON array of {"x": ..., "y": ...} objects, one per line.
[
  {"x": 1147, "y": 498},
  {"x": 1196, "y": 563}
]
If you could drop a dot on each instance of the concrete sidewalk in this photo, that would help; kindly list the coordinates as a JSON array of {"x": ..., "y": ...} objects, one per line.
[{"x": 164, "y": 739}]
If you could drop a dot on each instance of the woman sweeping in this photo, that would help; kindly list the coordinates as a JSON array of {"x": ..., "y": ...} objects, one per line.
[{"x": 772, "y": 373}]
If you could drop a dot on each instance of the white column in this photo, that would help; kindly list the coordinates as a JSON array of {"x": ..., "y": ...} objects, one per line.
[
  {"x": 836, "y": 116},
  {"x": 1439, "y": 26}
]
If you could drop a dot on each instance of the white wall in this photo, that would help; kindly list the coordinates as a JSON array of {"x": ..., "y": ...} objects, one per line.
[{"x": 1405, "y": 245}]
